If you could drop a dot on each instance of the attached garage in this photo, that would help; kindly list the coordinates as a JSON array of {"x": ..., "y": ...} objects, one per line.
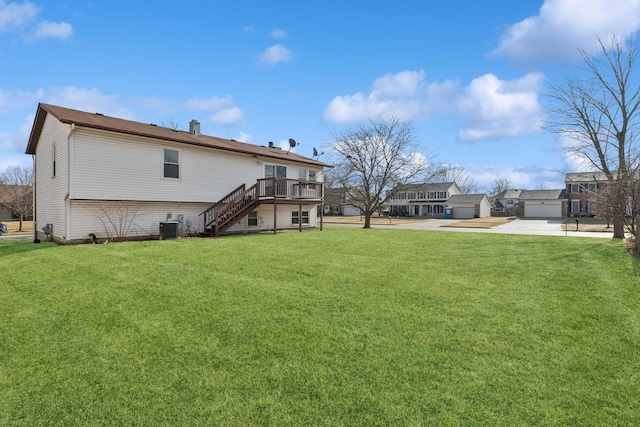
[{"x": 542, "y": 203}]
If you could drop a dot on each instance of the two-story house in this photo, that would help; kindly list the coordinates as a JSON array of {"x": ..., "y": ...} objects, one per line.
[
  {"x": 122, "y": 179},
  {"x": 582, "y": 191},
  {"x": 428, "y": 200},
  {"x": 506, "y": 203}
]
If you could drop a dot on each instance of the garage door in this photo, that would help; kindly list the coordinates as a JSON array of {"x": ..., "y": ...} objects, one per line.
[
  {"x": 463, "y": 213},
  {"x": 546, "y": 210}
]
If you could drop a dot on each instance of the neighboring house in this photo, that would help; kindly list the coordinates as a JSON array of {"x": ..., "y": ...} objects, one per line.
[
  {"x": 8, "y": 196},
  {"x": 543, "y": 203},
  {"x": 5, "y": 212},
  {"x": 464, "y": 206},
  {"x": 123, "y": 179},
  {"x": 506, "y": 203},
  {"x": 582, "y": 191},
  {"x": 428, "y": 200},
  {"x": 336, "y": 202}
]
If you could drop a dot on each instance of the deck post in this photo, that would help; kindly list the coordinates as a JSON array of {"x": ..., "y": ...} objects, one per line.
[
  {"x": 275, "y": 214},
  {"x": 300, "y": 218}
]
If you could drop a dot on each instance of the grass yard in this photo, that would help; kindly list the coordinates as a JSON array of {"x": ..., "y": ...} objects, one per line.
[{"x": 340, "y": 327}]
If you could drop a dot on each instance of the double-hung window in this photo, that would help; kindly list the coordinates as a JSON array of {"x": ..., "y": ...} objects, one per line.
[
  {"x": 252, "y": 219},
  {"x": 171, "y": 163},
  {"x": 295, "y": 217}
]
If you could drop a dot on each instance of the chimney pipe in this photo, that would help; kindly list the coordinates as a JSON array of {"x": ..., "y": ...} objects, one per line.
[{"x": 194, "y": 127}]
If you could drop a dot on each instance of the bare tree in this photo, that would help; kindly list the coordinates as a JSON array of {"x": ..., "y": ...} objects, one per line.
[
  {"x": 117, "y": 218},
  {"x": 171, "y": 124},
  {"x": 372, "y": 159},
  {"x": 499, "y": 185},
  {"x": 457, "y": 174},
  {"x": 16, "y": 192},
  {"x": 600, "y": 115}
]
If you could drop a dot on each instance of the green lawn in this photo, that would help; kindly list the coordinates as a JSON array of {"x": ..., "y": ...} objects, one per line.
[{"x": 340, "y": 327}]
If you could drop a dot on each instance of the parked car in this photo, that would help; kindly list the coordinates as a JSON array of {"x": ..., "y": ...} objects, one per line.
[{"x": 3, "y": 229}]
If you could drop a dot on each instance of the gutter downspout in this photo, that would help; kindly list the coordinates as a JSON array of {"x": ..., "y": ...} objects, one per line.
[
  {"x": 35, "y": 205},
  {"x": 67, "y": 202}
]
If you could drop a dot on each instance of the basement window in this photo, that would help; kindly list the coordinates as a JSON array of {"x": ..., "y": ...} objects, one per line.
[
  {"x": 171, "y": 163},
  {"x": 252, "y": 219},
  {"x": 295, "y": 218}
]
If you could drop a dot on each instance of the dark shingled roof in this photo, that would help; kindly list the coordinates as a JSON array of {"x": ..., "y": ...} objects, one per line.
[
  {"x": 466, "y": 198},
  {"x": 113, "y": 124},
  {"x": 543, "y": 194}
]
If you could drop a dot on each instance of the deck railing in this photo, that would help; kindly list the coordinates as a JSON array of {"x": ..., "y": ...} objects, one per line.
[
  {"x": 240, "y": 201},
  {"x": 282, "y": 188}
]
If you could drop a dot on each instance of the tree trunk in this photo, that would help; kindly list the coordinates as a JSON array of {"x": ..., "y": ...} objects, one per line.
[
  {"x": 638, "y": 233},
  {"x": 367, "y": 220},
  {"x": 20, "y": 226},
  {"x": 618, "y": 226}
]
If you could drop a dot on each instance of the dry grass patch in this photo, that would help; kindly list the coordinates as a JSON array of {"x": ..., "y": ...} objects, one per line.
[
  {"x": 480, "y": 222},
  {"x": 357, "y": 219},
  {"x": 14, "y": 226}
]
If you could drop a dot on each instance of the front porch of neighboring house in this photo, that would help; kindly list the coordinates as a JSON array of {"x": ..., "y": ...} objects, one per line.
[
  {"x": 434, "y": 210},
  {"x": 277, "y": 191}
]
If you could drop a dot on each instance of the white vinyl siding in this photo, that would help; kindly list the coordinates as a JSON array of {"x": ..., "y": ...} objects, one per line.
[
  {"x": 140, "y": 219},
  {"x": 51, "y": 191},
  {"x": 206, "y": 175},
  {"x": 464, "y": 212}
]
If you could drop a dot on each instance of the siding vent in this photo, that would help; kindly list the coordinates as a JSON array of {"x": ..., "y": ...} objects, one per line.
[{"x": 194, "y": 127}]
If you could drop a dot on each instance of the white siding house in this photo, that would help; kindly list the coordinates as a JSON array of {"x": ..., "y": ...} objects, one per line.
[
  {"x": 465, "y": 206},
  {"x": 427, "y": 200},
  {"x": 121, "y": 179}
]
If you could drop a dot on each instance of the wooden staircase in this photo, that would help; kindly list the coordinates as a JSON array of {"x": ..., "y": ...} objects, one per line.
[{"x": 230, "y": 209}]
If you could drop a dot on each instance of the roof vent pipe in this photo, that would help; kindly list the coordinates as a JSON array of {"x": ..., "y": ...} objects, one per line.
[{"x": 194, "y": 127}]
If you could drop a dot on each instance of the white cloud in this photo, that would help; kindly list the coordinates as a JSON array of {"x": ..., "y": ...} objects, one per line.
[
  {"x": 14, "y": 143},
  {"x": 13, "y": 15},
  {"x": 274, "y": 55},
  {"x": 494, "y": 108},
  {"x": 487, "y": 108},
  {"x": 244, "y": 137},
  {"x": 572, "y": 155},
  {"x": 209, "y": 104},
  {"x": 222, "y": 110},
  {"x": 520, "y": 177},
  {"x": 564, "y": 26},
  {"x": 12, "y": 100},
  {"x": 22, "y": 15},
  {"x": 227, "y": 117},
  {"x": 405, "y": 94},
  {"x": 58, "y": 30},
  {"x": 279, "y": 34},
  {"x": 91, "y": 100}
]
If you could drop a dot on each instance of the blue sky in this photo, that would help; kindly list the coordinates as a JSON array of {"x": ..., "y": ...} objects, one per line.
[{"x": 471, "y": 75}]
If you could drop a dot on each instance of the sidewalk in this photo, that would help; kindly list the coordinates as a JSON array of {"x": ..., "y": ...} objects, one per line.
[{"x": 540, "y": 227}]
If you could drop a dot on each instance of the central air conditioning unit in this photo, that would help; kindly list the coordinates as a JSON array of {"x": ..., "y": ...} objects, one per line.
[{"x": 168, "y": 230}]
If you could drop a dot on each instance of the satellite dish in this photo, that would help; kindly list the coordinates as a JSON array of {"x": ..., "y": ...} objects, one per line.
[
  {"x": 292, "y": 143},
  {"x": 316, "y": 154}
]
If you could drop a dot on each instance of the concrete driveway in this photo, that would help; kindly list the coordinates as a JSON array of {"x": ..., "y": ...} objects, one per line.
[{"x": 540, "y": 227}]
